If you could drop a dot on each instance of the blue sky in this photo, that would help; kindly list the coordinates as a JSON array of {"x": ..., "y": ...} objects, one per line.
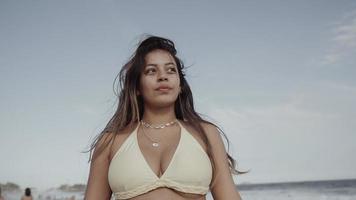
[{"x": 277, "y": 76}]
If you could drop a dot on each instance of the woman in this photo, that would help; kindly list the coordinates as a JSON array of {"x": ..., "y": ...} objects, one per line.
[
  {"x": 1, "y": 197},
  {"x": 27, "y": 195},
  {"x": 156, "y": 146}
]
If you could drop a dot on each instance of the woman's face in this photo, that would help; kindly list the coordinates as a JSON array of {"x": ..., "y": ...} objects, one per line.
[{"x": 159, "y": 80}]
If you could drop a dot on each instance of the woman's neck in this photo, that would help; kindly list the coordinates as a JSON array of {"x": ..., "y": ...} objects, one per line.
[{"x": 159, "y": 115}]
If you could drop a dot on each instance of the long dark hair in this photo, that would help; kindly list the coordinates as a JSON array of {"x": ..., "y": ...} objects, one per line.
[
  {"x": 130, "y": 105},
  {"x": 27, "y": 192}
]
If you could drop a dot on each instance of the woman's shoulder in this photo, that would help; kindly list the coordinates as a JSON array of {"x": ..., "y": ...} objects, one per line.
[
  {"x": 209, "y": 128},
  {"x": 120, "y": 137},
  {"x": 210, "y": 131},
  {"x": 109, "y": 142},
  {"x": 213, "y": 134}
]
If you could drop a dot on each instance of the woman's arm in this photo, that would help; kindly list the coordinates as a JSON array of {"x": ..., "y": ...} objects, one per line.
[
  {"x": 98, "y": 185},
  {"x": 224, "y": 187}
]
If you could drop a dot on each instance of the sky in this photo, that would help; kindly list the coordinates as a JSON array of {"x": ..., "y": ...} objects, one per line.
[{"x": 277, "y": 76}]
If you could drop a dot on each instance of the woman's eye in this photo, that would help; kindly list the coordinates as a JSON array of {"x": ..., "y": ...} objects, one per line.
[
  {"x": 150, "y": 71},
  {"x": 172, "y": 69}
]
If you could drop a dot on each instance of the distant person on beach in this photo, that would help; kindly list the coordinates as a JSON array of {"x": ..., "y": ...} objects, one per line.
[
  {"x": 27, "y": 195},
  {"x": 1, "y": 197},
  {"x": 156, "y": 146}
]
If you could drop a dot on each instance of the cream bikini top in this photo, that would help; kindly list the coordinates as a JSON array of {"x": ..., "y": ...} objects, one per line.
[{"x": 189, "y": 170}]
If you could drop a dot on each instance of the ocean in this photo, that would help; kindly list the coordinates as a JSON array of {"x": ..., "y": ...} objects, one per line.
[{"x": 306, "y": 190}]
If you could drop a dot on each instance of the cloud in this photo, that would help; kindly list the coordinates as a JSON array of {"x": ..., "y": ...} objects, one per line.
[
  {"x": 312, "y": 129},
  {"x": 343, "y": 40},
  {"x": 318, "y": 109}
]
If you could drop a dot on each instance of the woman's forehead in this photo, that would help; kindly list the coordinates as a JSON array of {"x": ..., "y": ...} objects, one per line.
[{"x": 159, "y": 57}]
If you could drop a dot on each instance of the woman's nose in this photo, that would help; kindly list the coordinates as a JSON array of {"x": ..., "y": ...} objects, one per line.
[{"x": 162, "y": 76}]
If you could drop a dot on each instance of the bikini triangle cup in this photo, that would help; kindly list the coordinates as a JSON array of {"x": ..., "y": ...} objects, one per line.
[{"x": 188, "y": 171}]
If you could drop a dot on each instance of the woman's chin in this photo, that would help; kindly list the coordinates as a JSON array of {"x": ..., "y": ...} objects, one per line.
[{"x": 164, "y": 102}]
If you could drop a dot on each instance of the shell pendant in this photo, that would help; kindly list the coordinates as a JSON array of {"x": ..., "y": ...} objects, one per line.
[{"x": 155, "y": 144}]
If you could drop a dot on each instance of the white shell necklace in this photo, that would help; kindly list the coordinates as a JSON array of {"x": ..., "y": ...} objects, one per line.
[{"x": 147, "y": 125}]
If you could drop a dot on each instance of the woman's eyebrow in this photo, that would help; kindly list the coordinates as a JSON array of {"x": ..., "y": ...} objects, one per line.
[
  {"x": 155, "y": 65},
  {"x": 149, "y": 64},
  {"x": 170, "y": 63}
]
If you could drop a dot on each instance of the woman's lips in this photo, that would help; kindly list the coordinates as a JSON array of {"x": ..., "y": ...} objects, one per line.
[{"x": 163, "y": 89}]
